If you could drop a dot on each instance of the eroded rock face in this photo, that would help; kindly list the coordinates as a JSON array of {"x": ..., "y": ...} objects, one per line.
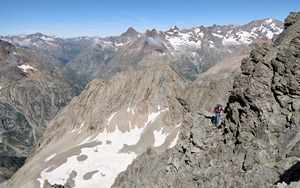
[{"x": 260, "y": 138}]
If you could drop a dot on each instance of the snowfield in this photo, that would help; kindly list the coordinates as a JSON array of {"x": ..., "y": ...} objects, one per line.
[{"x": 99, "y": 165}]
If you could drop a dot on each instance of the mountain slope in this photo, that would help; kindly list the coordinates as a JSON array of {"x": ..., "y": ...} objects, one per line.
[
  {"x": 102, "y": 130},
  {"x": 33, "y": 88},
  {"x": 259, "y": 145}
]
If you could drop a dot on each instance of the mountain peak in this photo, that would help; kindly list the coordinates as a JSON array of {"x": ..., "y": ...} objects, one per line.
[
  {"x": 153, "y": 33},
  {"x": 130, "y": 32},
  {"x": 173, "y": 28},
  {"x": 291, "y": 19}
]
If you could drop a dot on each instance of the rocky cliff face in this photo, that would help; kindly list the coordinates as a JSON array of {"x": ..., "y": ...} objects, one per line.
[
  {"x": 258, "y": 145},
  {"x": 105, "y": 128},
  {"x": 33, "y": 88}
]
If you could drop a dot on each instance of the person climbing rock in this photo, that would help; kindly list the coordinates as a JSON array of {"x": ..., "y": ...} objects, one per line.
[{"x": 217, "y": 111}]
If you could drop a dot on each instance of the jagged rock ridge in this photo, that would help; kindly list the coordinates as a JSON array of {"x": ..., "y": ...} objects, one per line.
[{"x": 260, "y": 134}]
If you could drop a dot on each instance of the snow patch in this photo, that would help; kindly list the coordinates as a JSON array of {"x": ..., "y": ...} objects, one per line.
[
  {"x": 269, "y": 34},
  {"x": 229, "y": 40},
  {"x": 25, "y": 67},
  {"x": 130, "y": 109},
  {"x": 173, "y": 143},
  {"x": 47, "y": 38},
  {"x": 50, "y": 157},
  {"x": 160, "y": 138},
  {"x": 269, "y": 20},
  {"x": 182, "y": 41},
  {"x": 79, "y": 129},
  {"x": 121, "y": 44},
  {"x": 197, "y": 30},
  {"x": 217, "y": 35},
  {"x": 153, "y": 115},
  {"x": 211, "y": 44},
  {"x": 110, "y": 118},
  {"x": 201, "y": 34}
]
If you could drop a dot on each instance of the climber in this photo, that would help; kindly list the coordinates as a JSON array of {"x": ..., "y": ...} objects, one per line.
[{"x": 217, "y": 111}]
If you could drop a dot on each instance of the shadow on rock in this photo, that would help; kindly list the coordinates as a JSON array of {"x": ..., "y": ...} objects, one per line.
[{"x": 291, "y": 175}]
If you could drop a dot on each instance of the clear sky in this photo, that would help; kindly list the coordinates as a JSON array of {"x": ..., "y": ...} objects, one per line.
[{"x": 73, "y": 18}]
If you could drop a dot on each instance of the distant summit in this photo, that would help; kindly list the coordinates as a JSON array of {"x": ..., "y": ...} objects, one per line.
[{"x": 130, "y": 32}]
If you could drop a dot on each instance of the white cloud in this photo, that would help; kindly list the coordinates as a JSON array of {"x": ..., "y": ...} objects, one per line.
[{"x": 59, "y": 25}]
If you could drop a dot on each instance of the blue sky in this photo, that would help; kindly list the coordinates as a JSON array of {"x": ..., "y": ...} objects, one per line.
[{"x": 73, "y": 18}]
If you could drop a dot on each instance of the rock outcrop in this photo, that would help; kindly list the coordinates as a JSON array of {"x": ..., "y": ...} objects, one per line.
[{"x": 259, "y": 143}]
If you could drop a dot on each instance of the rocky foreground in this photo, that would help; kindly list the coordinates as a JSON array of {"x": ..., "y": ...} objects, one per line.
[{"x": 260, "y": 135}]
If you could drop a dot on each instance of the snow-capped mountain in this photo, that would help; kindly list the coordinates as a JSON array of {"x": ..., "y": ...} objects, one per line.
[
  {"x": 233, "y": 36},
  {"x": 194, "y": 50},
  {"x": 190, "y": 52}
]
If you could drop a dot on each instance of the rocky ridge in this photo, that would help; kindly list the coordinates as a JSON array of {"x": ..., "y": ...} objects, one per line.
[{"x": 259, "y": 143}]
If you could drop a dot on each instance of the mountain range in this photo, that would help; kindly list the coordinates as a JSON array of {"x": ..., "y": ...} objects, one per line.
[
  {"x": 190, "y": 52},
  {"x": 149, "y": 85}
]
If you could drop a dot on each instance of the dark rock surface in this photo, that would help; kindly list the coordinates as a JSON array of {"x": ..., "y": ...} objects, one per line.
[{"x": 259, "y": 142}]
